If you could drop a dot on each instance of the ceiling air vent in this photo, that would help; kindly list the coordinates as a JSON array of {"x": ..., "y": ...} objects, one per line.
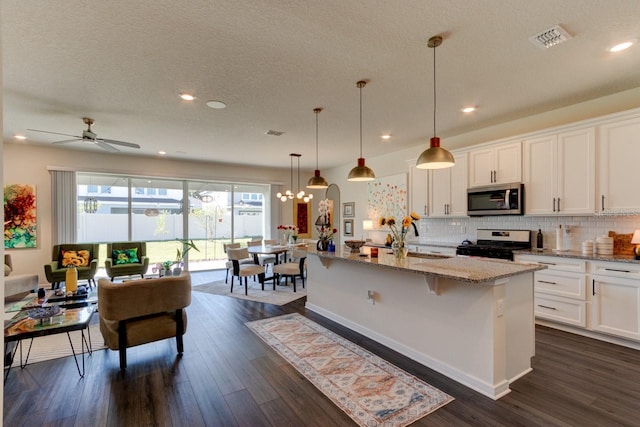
[
  {"x": 550, "y": 37},
  {"x": 274, "y": 132}
]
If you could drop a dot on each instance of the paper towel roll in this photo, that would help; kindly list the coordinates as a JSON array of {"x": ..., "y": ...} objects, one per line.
[{"x": 559, "y": 242}]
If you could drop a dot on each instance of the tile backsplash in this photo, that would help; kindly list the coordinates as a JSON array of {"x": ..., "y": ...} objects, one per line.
[{"x": 579, "y": 228}]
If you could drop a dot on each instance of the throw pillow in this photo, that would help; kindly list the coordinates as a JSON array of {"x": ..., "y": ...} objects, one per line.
[
  {"x": 79, "y": 258},
  {"x": 7, "y": 270},
  {"x": 125, "y": 256}
]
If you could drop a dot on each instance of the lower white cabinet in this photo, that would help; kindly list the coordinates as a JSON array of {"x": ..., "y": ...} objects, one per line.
[
  {"x": 596, "y": 296},
  {"x": 615, "y": 299},
  {"x": 434, "y": 250}
]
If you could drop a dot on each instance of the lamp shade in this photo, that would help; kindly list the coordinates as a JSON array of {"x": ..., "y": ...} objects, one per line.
[
  {"x": 367, "y": 224},
  {"x": 361, "y": 172},
  {"x": 435, "y": 157},
  {"x": 317, "y": 181}
]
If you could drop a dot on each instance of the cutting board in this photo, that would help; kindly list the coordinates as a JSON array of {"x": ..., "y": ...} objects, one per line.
[{"x": 622, "y": 243}]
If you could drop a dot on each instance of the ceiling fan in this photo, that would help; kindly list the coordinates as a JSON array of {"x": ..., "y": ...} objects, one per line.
[{"x": 89, "y": 136}]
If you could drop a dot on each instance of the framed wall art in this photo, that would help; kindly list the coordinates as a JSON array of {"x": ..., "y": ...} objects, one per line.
[
  {"x": 20, "y": 216},
  {"x": 348, "y": 227},
  {"x": 349, "y": 209}
]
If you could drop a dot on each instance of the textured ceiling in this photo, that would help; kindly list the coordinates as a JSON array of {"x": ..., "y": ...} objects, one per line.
[{"x": 123, "y": 63}]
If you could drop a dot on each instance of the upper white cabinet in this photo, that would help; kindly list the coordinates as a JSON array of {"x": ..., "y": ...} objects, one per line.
[
  {"x": 498, "y": 164},
  {"x": 618, "y": 154},
  {"x": 448, "y": 189},
  {"x": 559, "y": 173},
  {"x": 418, "y": 189}
]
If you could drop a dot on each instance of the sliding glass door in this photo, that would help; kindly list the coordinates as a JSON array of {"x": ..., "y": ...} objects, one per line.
[{"x": 163, "y": 211}]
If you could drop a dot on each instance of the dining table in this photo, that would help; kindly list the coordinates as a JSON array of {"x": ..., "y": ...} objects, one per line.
[{"x": 276, "y": 250}]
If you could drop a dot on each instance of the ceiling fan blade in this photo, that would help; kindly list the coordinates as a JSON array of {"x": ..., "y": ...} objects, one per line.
[
  {"x": 66, "y": 141},
  {"x": 124, "y": 144},
  {"x": 54, "y": 133},
  {"x": 105, "y": 146}
]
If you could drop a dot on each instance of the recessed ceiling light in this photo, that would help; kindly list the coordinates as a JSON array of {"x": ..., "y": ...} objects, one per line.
[
  {"x": 162, "y": 153},
  {"x": 622, "y": 46},
  {"x": 187, "y": 96},
  {"x": 218, "y": 105},
  {"x": 20, "y": 137},
  {"x": 468, "y": 109},
  {"x": 386, "y": 136}
]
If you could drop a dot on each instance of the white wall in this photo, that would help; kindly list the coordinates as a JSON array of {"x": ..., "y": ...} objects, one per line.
[
  {"x": 456, "y": 230},
  {"x": 28, "y": 164}
]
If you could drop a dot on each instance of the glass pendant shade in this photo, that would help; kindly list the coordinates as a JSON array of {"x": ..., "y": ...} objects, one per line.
[
  {"x": 435, "y": 157},
  {"x": 361, "y": 172}
]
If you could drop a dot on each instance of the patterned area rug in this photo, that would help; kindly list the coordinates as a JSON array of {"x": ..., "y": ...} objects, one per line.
[
  {"x": 281, "y": 296},
  {"x": 370, "y": 390}
]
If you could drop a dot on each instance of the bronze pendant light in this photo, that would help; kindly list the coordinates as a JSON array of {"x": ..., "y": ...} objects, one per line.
[
  {"x": 435, "y": 157},
  {"x": 361, "y": 172},
  {"x": 317, "y": 181}
]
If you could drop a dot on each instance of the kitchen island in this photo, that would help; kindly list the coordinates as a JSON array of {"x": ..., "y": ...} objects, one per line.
[{"x": 469, "y": 319}]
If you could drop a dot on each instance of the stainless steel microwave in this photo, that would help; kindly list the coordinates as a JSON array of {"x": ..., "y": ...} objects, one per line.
[{"x": 501, "y": 199}]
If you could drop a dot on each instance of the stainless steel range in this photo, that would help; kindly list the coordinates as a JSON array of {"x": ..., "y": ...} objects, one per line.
[{"x": 495, "y": 243}]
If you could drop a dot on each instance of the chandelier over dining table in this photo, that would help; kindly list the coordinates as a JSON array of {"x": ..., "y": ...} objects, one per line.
[{"x": 299, "y": 194}]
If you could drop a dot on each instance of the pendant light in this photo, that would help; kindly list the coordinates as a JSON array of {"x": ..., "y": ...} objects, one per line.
[
  {"x": 289, "y": 194},
  {"x": 317, "y": 181},
  {"x": 361, "y": 172},
  {"x": 435, "y": 157}
]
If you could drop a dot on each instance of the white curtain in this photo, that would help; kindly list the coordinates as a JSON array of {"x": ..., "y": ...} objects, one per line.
[{"x": 63, "y": 206}]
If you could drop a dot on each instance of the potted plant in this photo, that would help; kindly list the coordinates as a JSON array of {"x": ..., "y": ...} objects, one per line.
[
  {"x": 187, "y": 245},
  {"x": 166, "y": 268}
]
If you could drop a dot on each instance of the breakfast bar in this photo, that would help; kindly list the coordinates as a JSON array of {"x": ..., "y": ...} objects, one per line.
[{"x": 469, "y": 319}]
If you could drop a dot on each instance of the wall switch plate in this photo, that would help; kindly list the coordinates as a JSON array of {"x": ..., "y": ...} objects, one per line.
[{"x": 371, "y": 297}]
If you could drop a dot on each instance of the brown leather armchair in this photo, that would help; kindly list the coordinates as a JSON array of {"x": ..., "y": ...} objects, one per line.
[
  {"x": 142, "y": 311},
  {"x": 56, "y": 272}
]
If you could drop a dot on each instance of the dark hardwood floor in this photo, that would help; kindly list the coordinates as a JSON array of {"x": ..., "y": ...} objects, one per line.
[{"x": 229, "y": 377}]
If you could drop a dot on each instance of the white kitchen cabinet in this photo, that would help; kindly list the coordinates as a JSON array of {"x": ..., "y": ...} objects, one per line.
[
  {"x": 560, "y": 290},
  {"x": 418, "y": 189},
  {"x": 559, "y": 173},
  {"x": 498, "y": 164},
  {"x": 618, "y": 154},
  {"x": 448, "y": 189},
  {"x": 433, "y": 250}
]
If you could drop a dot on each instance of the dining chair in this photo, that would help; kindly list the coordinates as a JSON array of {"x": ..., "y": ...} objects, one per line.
[
  {"x": 244, "y": 270},
  {"x": 293, "y": 269},
  {"x": 229, "y": 264}
]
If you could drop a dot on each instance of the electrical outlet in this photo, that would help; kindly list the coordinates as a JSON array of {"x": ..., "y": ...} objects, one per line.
[
  {"x": 371, "y": 297},
  {"x": 500, "y": 307}
]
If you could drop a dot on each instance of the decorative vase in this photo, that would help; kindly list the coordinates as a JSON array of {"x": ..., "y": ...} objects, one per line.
[
  {"x": 71, "y": 279},
  {"x": 293, "y": 239},
  {"x": 177, "y": 271},
  {"x": 399, "y": 250},
  {"x": 166, "y": 272},
  {"x": 322, "y": 245}
]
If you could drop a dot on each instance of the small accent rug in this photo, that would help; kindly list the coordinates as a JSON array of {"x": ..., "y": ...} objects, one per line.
[
  {"x": 281, "y": 296},
  {"x": 370, "y": 390},
  {"x": 57, "y": 346}
]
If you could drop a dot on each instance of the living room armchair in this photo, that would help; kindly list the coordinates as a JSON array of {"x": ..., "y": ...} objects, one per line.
[
  {"x": 142, "y": 311},
  {"x": 83, "y": 255},
  {"x": 126, "y": 259}
]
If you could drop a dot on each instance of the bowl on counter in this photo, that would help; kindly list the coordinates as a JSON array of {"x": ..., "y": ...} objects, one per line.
[{"x": 354, "y": 245}]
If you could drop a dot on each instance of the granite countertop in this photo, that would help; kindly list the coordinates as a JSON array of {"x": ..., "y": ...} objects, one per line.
[
  {"x": 418, "y": 243},
  {"x": 463, "y": 269},
  {"x": 579, "y": 255}
]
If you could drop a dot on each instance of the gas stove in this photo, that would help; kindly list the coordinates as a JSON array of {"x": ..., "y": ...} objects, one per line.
[{"x": 496, "y": 243}]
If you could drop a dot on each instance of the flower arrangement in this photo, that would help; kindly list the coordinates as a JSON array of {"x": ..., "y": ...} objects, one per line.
[
  {"x": 324, "y": 229},
  {"x": 400, "y": 231},
  {"x": 288, "y": 231},
  {"x": 325, "y": 232}
]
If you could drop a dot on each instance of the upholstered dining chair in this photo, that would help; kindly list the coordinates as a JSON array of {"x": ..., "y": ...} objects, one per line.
[
  {"x": 293, "y": 269},
  {"x": 142, "y": 311},
  {"x": 83, "y": 255},
  {"x": 244, "y": 270},
  {"x": 126, "y": 259},
  {"x": 229, "y": 264}
]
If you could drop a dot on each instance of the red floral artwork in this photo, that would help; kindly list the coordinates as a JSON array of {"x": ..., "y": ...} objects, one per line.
[{"x": 20, "y": 216}]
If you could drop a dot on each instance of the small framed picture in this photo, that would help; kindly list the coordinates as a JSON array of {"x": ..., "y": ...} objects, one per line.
[
  {"x": 348, "y": 227},
  {"x": 349, "y": 209}
]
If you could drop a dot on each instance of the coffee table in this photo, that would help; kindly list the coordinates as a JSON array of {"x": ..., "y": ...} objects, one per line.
[
  {"x": 21, "y": 327},
  {"x": 32, "y": 301}
]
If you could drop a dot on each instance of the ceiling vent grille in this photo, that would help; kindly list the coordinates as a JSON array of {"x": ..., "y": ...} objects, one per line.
[
  {"x": 551, "y": 37},
  {"x": 274, "y": 132}
]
